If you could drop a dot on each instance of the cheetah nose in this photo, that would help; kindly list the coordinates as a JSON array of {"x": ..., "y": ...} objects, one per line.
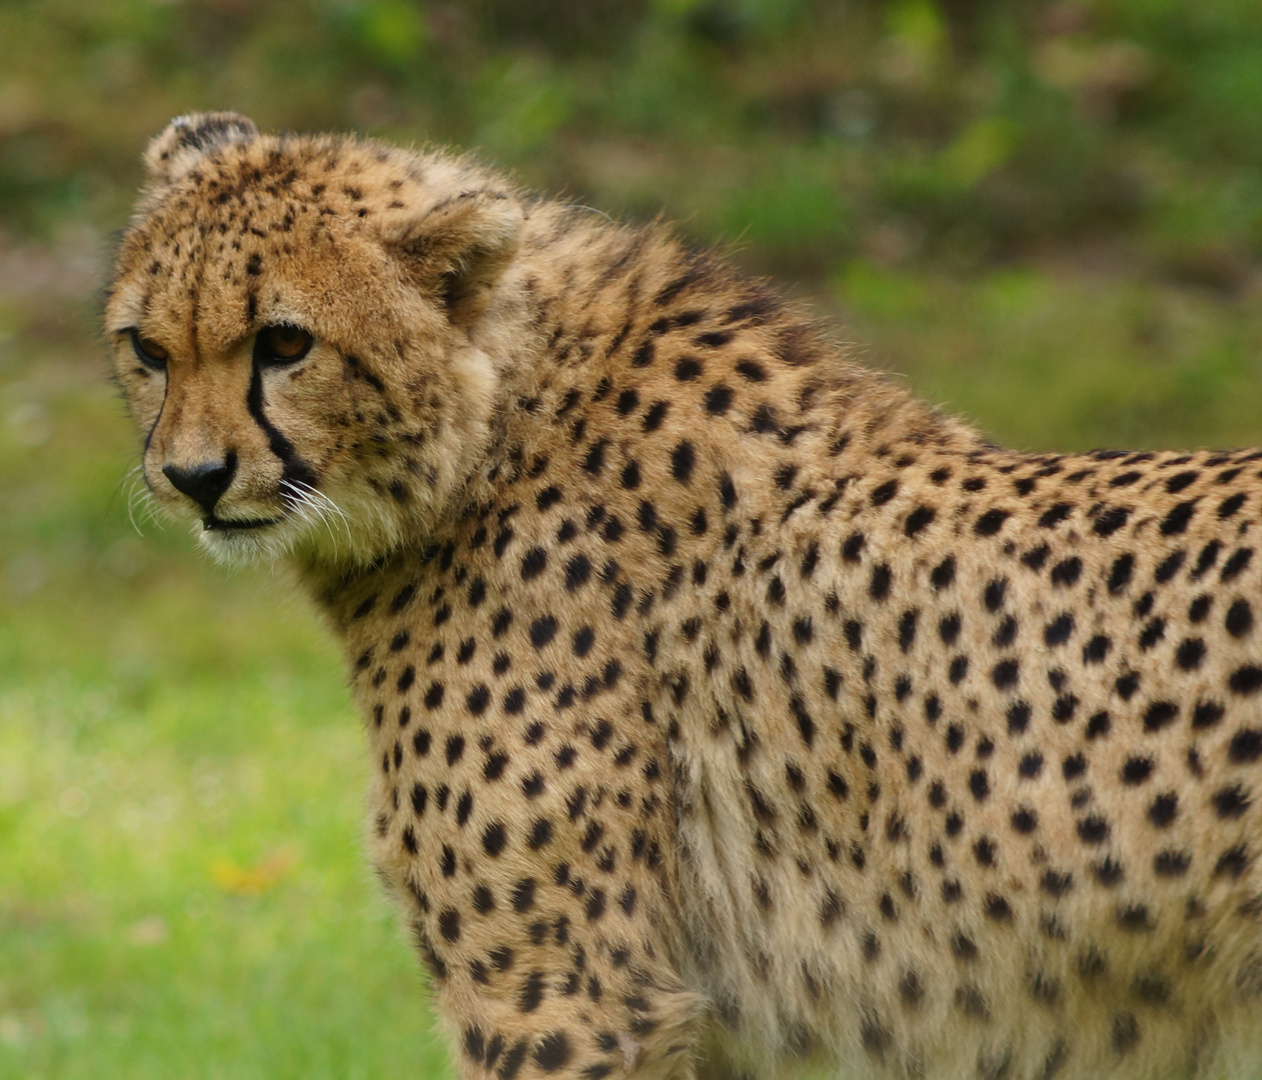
[{"x": 203, "y": 482}]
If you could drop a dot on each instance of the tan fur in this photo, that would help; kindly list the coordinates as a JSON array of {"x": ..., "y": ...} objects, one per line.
[{"x": 730, "y": 707}]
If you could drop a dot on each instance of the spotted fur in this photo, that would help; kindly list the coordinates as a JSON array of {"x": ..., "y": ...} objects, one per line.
[{"x": 730, "y": 707}]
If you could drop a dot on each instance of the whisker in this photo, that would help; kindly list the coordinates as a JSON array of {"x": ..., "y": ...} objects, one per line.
[
  {"x": 313, "y": 505},
  {"x": 322, "y": 505}
]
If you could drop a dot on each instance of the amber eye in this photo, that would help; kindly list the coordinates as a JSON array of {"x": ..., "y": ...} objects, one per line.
[
  {"x": 281, "y": 344},
  {"x": 149, "y": 352}
]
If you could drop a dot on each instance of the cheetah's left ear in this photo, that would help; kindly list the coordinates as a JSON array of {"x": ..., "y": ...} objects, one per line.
[
  {"x": 460, "y": 248},
  {"x": 174, "y": 152}
]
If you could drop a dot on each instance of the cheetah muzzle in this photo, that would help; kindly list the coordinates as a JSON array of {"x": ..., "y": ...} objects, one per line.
[{"x": 732, "y": 709}]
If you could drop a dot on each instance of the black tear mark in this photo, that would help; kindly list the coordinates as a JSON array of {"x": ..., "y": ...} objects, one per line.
[{"x": 295, "y": 469}]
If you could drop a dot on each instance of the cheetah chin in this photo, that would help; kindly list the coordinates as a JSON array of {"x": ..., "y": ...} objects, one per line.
[{"x": 730, "y": 708}]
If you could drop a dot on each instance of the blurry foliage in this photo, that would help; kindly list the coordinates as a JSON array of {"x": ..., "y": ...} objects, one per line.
[{"x": 808, "y": 130}]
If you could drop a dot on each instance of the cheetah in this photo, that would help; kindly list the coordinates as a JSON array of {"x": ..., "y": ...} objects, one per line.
[{"x": 731, "y": 710}]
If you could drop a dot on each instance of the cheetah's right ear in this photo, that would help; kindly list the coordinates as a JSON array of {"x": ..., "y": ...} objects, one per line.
[
  {"x": 175, "y": 152},
  {"x": 460, "y": 247}
]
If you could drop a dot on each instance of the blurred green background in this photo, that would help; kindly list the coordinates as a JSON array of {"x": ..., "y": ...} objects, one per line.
[{"x": 1047, "y": 216}]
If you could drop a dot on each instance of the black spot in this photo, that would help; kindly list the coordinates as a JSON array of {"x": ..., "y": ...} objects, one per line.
[
  {"x": 1179, "y": 481},
  {"x": 1055, "y": 514},
  {"x": 1111, "y": 520},
  {"x": 979, "y": 784},
  {"x": 1067, "y": 572},
  {"x": 1152, "y": 633},
  {"x": 1190, "y": 654},
  {"x": 1230, "y": 505},
  {"x": 1246, "y": 680},
  {"x": 943, "y": 574},
  {"x": 1135, "y": 918},
  {"x": 1136, "y": 770},
  {"x": 1108, "y": 872},
  {"x": 718, "y": 400},
  {"x": 1246, "y": 746},
  {"x": 1169, "y": 566},
  {"x": 997, "y": 908},
  {"x": 883, "y": 493},
  {"x": 1096, "y": 649},
  {"x": 1120, "y": 574},
  {"x": 1005, "y": 674},
  {"x": 1098, "y": 725},
  {"x": 682, "y": 460},
  {"x": 1239, "y": 620},
  {"x": 553, "y": 1052},
  {"x": 1024, "y": 820},
  {"x": 991, "y": 522},
  {"x": 1159, "y": 714},
  {"x": 964, "y": 948},
  {"x": 543, "y": 630},
  {"x": 1176, "y": 521},
  {"x": 530, "y": 993},
  {"x": 1125, "y": 1033},
  {"x": 584, "y": 639},
  {"x": 1171, "y": 863},
  {"x": 1093, "y": 830},
  {"x": 687, "y": 369},
  {"x": 455, "y": 748},
  {"x": 1126, "y": 685},
  {"x": 1206, "y": 714},
  {"x": 594, "y": 462},
  {"x": 655, "y": 415},
  {"x": 1231, "y": 802},
  {"x": 1059, "y": 630},
  {"x": 1233, "y": 567},
  {"x": 494, "y": 838},
  {"x": 1233, "y": 862},
  {"x": 449, "y": 925},
  {"x": 478, "y": 699},
  {"x": 1164, "y": 808},
  {"x": 1056, "y": 884},
  {"x": 918, "y": 519}
]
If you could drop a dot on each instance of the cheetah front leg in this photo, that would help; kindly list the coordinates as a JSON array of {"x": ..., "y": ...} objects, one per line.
[
  {"x": 529, "y": 983},
  {"x": 545, "y": 926}
]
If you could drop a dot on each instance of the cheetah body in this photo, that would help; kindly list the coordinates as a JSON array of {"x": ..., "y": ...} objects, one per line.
[{"x": 729, "y": 707}]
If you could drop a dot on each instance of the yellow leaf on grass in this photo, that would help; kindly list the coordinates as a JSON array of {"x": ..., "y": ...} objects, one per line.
[{"x": 253, "y": 880}]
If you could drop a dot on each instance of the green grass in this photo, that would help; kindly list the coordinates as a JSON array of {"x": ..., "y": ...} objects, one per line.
[{"x": 1056, "y": 361}]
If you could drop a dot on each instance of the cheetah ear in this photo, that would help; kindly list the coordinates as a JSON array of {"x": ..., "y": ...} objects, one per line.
[
  {"x": 175, "y": 152},
  {"x": 460, "y": 248}
]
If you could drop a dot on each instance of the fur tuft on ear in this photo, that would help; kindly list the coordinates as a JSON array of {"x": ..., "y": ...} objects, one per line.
[
  {"x": 186, "y": 139},
  {"x": 460, "y": 247}
]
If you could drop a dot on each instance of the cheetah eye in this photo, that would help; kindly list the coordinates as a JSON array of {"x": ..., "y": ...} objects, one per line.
[
  {"x": 149, "y": 352},
  {"x": 281, "y": 344}
]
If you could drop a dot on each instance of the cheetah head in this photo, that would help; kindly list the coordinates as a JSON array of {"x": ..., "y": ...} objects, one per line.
[{"x": 304, "y": 330}]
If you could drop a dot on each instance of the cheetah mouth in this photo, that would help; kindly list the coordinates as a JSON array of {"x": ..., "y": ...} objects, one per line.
[{"x": 226, "y": 525}]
